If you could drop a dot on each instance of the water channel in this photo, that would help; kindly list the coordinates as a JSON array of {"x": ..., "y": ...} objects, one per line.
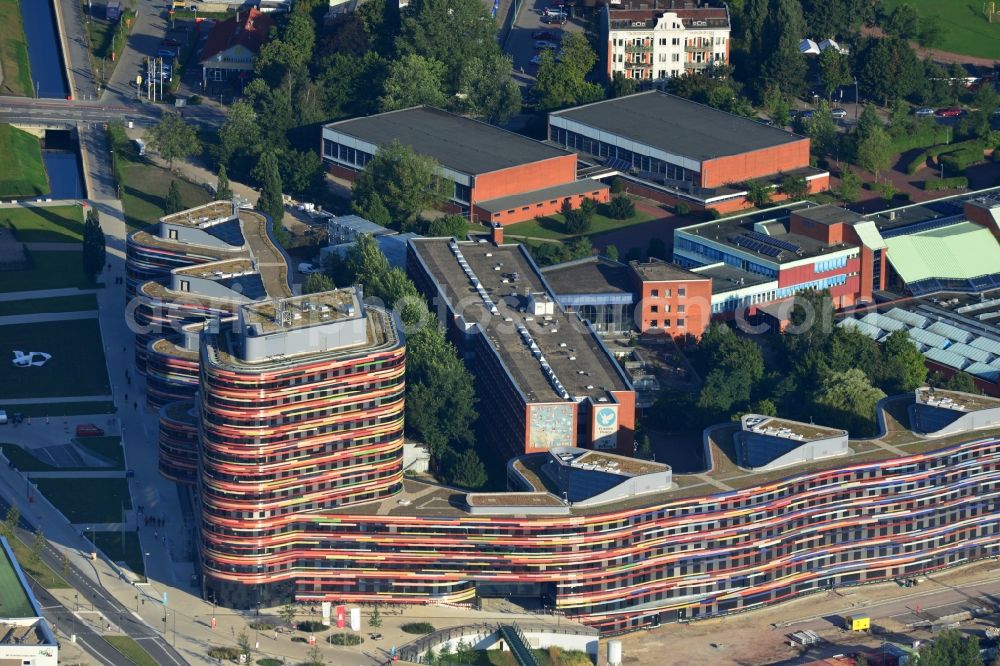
[{"x": 44, "y": 54}]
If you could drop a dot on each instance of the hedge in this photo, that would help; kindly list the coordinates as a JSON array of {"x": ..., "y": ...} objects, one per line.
[
  {"x": 918, "y": 161},
  {"x": 934, "y": 184},
  {"x": 957, "y": 161},
  {"x": 923, "y": 137}
]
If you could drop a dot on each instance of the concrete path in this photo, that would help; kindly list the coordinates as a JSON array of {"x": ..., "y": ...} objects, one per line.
[
  {"x": 52, "y": 401},
  {"x": 55, "y": 247},
  {"x": 43, "y": 293},
  {"x": 40, "y": 317},
  {"x": 712, "y": 481},
  {"x": 101, "y": 527},
  {"x": 96, "y": 474},
  {"x": 75, "y": 48}
]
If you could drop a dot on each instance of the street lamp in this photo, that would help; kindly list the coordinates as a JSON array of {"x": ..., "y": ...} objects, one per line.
[{"x": 857, "y": 100}]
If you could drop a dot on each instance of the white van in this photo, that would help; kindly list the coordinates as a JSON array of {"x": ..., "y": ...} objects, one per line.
[
  {"x": 140, "y": 146},
  {"x": 3, "y": 417}
]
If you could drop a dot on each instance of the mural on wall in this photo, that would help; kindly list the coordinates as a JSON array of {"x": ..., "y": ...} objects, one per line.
[
  {"x": 604, "y": 430},
  {"x": 551, "y": 425}
]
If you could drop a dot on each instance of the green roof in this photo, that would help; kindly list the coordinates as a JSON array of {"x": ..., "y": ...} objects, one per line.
[
  {"x": 14, "y": 601},
  {"x": 958, "y": 252}
]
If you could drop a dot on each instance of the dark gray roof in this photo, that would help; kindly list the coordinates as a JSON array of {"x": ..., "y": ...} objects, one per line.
[
  {"x": 828, "y": 214},
  {"x": 592, "y": 275},
  {"x": 678, "y": 126},
  {"x": 539, "y": 196},
  {"x": 456, "y": 142},
  {"x": 730, "y": 278}
]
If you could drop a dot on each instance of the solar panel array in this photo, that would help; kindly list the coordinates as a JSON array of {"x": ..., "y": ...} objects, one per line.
[
  {"x": 618, "y": 164},
  {"x": 777, "y": 242},
  {"x": 756, "y": 246}
]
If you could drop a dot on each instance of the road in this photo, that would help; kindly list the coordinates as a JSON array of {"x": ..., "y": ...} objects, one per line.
[
  {"x": 521, "y": 45},
  {"x": 20, "y": 109},
  {"x": 100, "y": 600}
]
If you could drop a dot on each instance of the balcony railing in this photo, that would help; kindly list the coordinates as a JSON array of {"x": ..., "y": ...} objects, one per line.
[
  {"x": 638, "y": 48},
  {"x": 691, "y": 48}
]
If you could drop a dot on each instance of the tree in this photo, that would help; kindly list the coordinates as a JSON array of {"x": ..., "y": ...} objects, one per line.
[
  {"x": 172, "y": 203},
  {"x": 64, "y": 564},
  {"x": 847, "y": 400},
  {"x": 736, "y": 366},
  {"x": 577, "y": 221},
  {"x": 850, "y": 185},
  {"x": 645, "y": 449},
  {"x": 467, "y": 471},
  {"x": 875, "y": 151},
  {"x": 834, "y": 70},
  {"x": 860, "y": 660},
  {"x": 490, "y": 92},
  {"x": 301, "y": 171},
  {"x": 777, "y": 106},
  {"x": 931, "y": 31},
  {"x": 783, "y": 66},
  {"x": 375, "y": 619},
  {"x": 868, "y": 122},
  {"x": 960, "y": 381},
  {"x": 563, "y": 82},
  {"x": 270, "y": 202},
  {"x": 904, "y": 364},
  {"x": 902, "y": 22},
  {"x": 888, "y": 190},
  {"x": 222, "y": 189},
  {"x": 447, "y": 226},
  {"x": 243, "y": 645},
  {"x": 173, "y": 138},
  {"x": 889, "y": 69},
  {"x": 38, "y": 544},
  {"x": 314, "y": 657},
  {"x": 621, "y": 208},
  {"x": 10, "y": 522},
  {"x": 821, "y": 128},
  {"x": 287, "y": 613},
  {"x": 795, "y": 187},
  {"x": 450, "y": 31},
  {"x": 951, "y": 648},
  {"x": 413, "y": 80},
  {"x": 611, "y": 252},
  {"x": 758, "y": 193},
  {"x": 94, "y": 248},
  {"x": 405, "y": 183},
  {"x": 621, "y": 85},
  {"x": 239, "y": 136},
  {"x": 317, "y": 282}
]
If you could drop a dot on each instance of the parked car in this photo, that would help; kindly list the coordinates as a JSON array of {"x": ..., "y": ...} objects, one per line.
[
  {"x": 166, "y": 53},
  {"x": 545, "y": 34},
  {"x": 923, "y": 111},
  {"x": 89, "y": 430},
  {"x": 555, "y": 20},
  {"x": 3, "y": 417},
  {"x": 170, "y": 41},
  {"x": 838, "y": 113},
  {"x": 536, "y": 59},
  {"x": 543, "y": 44},
  {"x": 948, "y": 112},
  {"x": 807, "y": 114},
  {"x": 307, "y": 269}
]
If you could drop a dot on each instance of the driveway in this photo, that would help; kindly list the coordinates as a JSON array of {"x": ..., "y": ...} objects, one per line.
[
  {"x": 149, "y": 30},
  {"x": 521, "y": 45}
]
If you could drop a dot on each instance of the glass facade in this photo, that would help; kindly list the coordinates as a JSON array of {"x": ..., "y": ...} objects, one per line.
[
  {"x": 584, "y": 144},
  {"x": 713, "y": 255}
]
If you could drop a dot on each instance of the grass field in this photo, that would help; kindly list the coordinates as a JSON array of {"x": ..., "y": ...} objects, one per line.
[
  {"x": 49, "y": 270},
  {"x": 132, "y": 650},
  {"x": 87, "y": 500},
  {"x": 14, "y": 51},
  {"x": 39, "y": 571},
  {"x": 45, "y": 224},
  {"x": 127, "y": 551},
  {"x": 146, "y": 188},
  {"x": 54, "y": 409},
  {"x": 22, "y": 173},
  {"x": 967, "y": 30},
  {"x": 77, "y": 365},
  {"x": 109, "y": 448},
  {"x": 106, "y": 447},
  {"x": 553, "y": 227},
  {"x": 14, "y": 600},
  {"x": 24, "y": 460},
  {"x": 82, "y": 303}
]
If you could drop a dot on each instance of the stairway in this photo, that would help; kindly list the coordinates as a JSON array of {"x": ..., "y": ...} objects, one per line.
[{"x": 518, "y": 644}]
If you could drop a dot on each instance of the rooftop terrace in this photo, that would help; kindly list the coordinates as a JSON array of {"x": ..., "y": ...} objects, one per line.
[
  {"x": 497, "y": 300},
  {"x": 803, "y": 432},
  {"x": 206, "y": 215},
  {"x": 303, "y": 311},
  {"x": 963, "y": 402}
]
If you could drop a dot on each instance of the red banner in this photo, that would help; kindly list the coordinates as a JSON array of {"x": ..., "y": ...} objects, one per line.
[{"x": 341, "y": 616}]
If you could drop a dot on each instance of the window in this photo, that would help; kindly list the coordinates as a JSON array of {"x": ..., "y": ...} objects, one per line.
[
  {"x": 675, "y": 57},
  {"x": 666, "y": 308},
  {"x": 654, "y": 308},
  {"x": 666, "y": 292},
  {"x": 680, "y": 323},
  {"x": 682, "y": 291},
  {"x": 680, "y": 308},
  {"x": 666, "y": 323},
  {"x": 663, "y": 41},
  {"x": 654, "y": 293},
  {"x": 172, "y": 234},
  {"x": 654, "y": 323},
  {"x": 676, "y": 41},
  {"x": 185, "y": 285}
]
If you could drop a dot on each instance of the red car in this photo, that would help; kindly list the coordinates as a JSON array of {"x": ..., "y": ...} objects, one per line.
[
  {"x": 89, "y": 430},
  {"x": 948, "y": 112}
]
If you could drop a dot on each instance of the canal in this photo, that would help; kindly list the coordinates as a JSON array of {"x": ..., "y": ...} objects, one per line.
[
  {"x": 44, "y": 54},
  {"x": 61, "y": 156}
]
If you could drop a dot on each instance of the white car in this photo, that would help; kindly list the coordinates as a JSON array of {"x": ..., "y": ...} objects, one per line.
[
  {"x": 536, "y": 60},
  {"x": 838, "y": 113},
  {"x": 924, "y": 111},
  {"x": 545, "y": 44},
  {"x": 308, "y": 269}
]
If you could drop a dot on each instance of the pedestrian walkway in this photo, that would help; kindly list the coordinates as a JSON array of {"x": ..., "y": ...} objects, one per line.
[
  {"x": 43, "y": 293},
  {"x": 94, "y": 474},
  {"x": 41, "y": 317},
  {"x": 55, "y": 247},
  {"x": 53, "y": 401}
]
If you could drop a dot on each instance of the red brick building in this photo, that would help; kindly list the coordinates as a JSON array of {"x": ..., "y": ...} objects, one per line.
[
  {"x": 499, "y": 176},
  {"x": 678, "y": 151},
  {"x": 672, "y": 300}
]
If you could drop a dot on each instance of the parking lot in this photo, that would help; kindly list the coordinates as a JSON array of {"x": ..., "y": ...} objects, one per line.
[{"x": 520, "y": 43}]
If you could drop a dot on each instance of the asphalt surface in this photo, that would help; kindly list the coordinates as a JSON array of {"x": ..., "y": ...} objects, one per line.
[
  {"x": 99, "y": 600},
  {"x": 521, "y": 45}
]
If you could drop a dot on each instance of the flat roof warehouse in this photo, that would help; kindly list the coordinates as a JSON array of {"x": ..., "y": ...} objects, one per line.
[{"x": 458, "y": 143}]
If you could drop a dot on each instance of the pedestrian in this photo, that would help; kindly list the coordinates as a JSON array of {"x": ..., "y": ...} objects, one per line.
[
  {"x": 275, "y": 634},
  {"x": 156, "y": 534}
]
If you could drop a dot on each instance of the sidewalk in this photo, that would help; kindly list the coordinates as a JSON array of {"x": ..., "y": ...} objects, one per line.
[
  {"x": 40, "y": 317},
  {"x": 50, "y": 401},
  {"x": 43, "y": 293}
]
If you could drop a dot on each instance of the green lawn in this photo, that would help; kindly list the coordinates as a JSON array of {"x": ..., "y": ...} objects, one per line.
[
  {"x": 87, "y": 500},
  {"x": 132, "y": 650},
  {"x": 49, "y": 270},
  {"x": 554, "y": 227},
  {"x": 24, "y": 460},
  {"x": 14, "y": 600},
  {"x": 76, "y": 368},
  {"x": 22, "y": 173},
  {"x": 146, "y": 188},
  {"x": 45, "y": 224},
  {"x": 14, "y": 52},
  {"x": 82, "y": 303},
  {"x": 966, "y": 29},
  {"x": 39, "y": 571},
  {"x": 109, "y": 448},
  {"x": 64, "y": 409},
  {"x": 130, "y": 553}
]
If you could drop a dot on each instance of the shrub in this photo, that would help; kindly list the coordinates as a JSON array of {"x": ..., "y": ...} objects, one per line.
[
  {"x": 617, "y": 185},
  {"x": 956, "y": 162},
  {"x": 934, "y": 184},
  {"x": 712, "y": 214},
  {"x": 262, "y": 626},
  {"x": 682, "y": 208},
  {"x": 621, "y": 208},
  {"x": 269, "y": 661},
  {"x": 924, "y": 137},
  {"x": 345, "y": 639},
  {"x": 299, "y": 639},
  {"x": 311, "y": 626},
  {"x": 195, "y": 100},
  {"x": 577, "y": 222},
  {"x": 418, "y": 628},
  {"x": 918, "y": 161},
  {"x": 230, "y": 653}
]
